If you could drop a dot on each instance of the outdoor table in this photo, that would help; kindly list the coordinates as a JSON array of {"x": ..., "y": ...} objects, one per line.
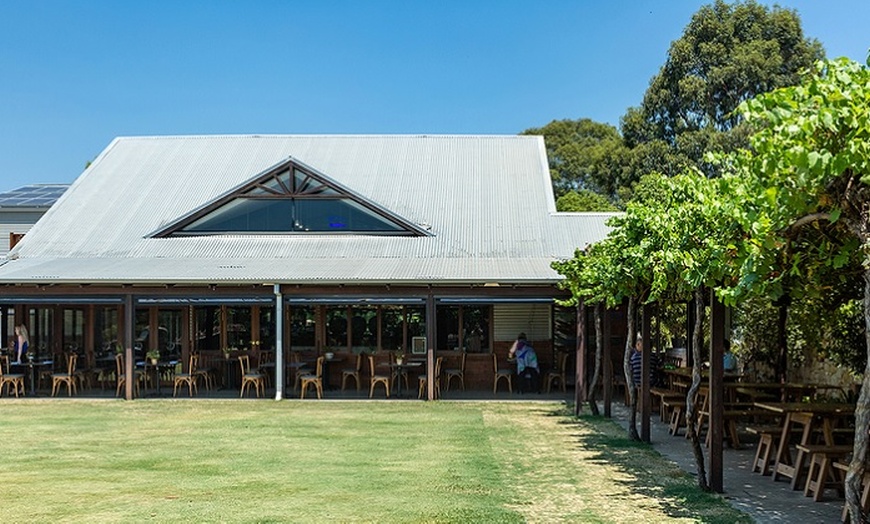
[
  {"x": 398, "y": 368},
  {"x": 326, "y": 362},
  {"x": 807, "y": 416},
  {"x": 158, "y": 370},
  {"x": 32, "y": 367}
]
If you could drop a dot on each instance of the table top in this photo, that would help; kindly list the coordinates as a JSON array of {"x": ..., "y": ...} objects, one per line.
[{"x": 816, "y": 408}]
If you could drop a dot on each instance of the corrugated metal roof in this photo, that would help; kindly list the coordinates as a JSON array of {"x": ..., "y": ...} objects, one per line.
[{"x": 487, "y": 200}]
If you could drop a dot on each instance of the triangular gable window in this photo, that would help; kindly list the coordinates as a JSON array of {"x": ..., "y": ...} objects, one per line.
[{"x": 291, "y": 198}]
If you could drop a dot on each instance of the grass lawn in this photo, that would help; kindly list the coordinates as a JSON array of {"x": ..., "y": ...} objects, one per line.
[{"x": 313, "y": 461}]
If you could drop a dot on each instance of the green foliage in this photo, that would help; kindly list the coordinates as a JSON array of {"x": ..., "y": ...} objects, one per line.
[
  {"x": 583, "y": 200},
  {"x": 727, "y": 54},
  {"x": 583, "y": 155}
]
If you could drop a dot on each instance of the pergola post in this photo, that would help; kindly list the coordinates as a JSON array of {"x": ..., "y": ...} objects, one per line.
[
  {"x": 430, "y": 346},
  {"x": 580, "y": 365},
  {"x": 646, "y": 357},
  {"x": 279, "y": 343},
  {"x": 717, "y": 391},
  {"x": 129, "y": 321},
  {"x": 607, "y": 367}
]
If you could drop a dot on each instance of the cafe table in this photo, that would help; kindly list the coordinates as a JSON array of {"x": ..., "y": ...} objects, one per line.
[
  {"x": 808, "y": 417},
  {"x": 397, "y": 370}
]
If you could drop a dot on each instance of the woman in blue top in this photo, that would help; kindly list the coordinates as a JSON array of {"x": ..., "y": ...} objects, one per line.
[{"x": 22, "y": 342}]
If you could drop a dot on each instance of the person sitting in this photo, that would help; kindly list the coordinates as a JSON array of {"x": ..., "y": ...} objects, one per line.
[{"x": 527, "y": 364}]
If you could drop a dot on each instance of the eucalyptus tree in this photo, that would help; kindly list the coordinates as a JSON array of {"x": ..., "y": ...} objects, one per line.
[
  {"x": 809, "y": 166},
  {"x": 728, "y": 53}
]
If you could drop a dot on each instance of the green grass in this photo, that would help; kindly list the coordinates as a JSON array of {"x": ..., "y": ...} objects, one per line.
[{"x": 264, "y": 461}]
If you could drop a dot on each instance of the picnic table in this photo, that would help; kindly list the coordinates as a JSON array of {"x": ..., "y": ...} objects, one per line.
[{"x": 809, "y": 417}]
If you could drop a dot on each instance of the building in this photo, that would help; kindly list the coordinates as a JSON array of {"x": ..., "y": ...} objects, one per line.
[
  {"x": 291, "y": 244},
  {"x": 21, "y": 208}
]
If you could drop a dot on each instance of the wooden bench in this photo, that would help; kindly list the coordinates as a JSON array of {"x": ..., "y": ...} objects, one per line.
[
  {"x": 767, "y": 436},
  {"x": 822, "y": 474}
]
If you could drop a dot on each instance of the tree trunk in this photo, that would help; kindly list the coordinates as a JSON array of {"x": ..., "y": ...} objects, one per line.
[
  {"x": 626, "y": 369},
  {"x": 596, "y": 373},
  {"x": 862, "y": 425},
  {"x": 691, "y": 408}
]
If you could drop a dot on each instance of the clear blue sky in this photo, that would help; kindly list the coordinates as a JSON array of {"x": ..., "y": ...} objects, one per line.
[{"x": 76, "y": 74}]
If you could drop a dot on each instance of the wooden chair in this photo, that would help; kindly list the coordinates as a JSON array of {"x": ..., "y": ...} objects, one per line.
[
  {"x": 352, "y": 373},
  {"x": 12, "y": 381},
  {"x": 204, "y": 373},
  {"x": 423, "y": 380},
  {"x": 121, "y": 375},
  {"x": 459, "y": 373},
  {"x": 315, "y": 379},
  {"x": 250, "y": 378},
  {"x": 501, "y": 373},
  {"x": 188, "y": 378},
  {"x": 558, "y": 374},
  {"x": 69, "y": 377},
  {"x": 377, "y": 379}
]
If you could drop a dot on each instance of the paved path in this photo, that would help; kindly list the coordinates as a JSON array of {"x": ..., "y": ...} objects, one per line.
[{"x": 760, "y": 497}]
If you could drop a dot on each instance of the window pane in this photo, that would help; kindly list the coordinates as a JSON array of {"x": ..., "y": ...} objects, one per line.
[
  {"x": 447, "y": 327},
  {"x": 475, "y": 328},
  {"x": 326, "y": 214},
  {"x": 363, "y": 328},
  {"x": 303, "y": 325},
  {"x": 336, "y": 327},
  {"x": 239, "y": 327}
]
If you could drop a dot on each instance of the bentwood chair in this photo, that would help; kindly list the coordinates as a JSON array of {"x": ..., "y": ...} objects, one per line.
[
  {"x": 315, "y": 379},
  {"x": 250, "y": 378},
  {"x": 12, "y": 381},
  {"x": 558, "y": 374},
  {"x": 424, "y": 380},
  {"x": 69, "y": 378},
  {"x": 121, "y": 375},
  {"x": 459, "y": 373},
  {"x": 500, "y": 373},
  {"x": 377, "y": 379},
  {"x": 188, "y": 378},
  {"x": 352, "y": 373}
]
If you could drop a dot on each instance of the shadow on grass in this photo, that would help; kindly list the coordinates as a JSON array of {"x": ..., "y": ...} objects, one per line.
[{"x": 646, "y": 471}]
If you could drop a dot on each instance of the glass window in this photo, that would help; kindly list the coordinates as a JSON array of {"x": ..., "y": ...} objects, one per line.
[
  {"x": 73, "y": 330},
  {"x": 336, "y": 327},
  {"x": 239, "y": 327},
  {"x": 363, "y": 328},
  {"x": 106, "y": 330},
  {"x": 303, "y": 327},
  {"x": 415, "y": 316},
  {"x": 267, "y": 328},
  {"x": 208, "y": 328},
  {"x": 475, "y": 328},
  {"x": 391, "y": 328},
  {"x": 447, "y": 330}
]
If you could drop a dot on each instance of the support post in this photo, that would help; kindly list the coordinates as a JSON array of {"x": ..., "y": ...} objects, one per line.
[
  {"x": 717, "y": 391},
  {"x": 430, "y": 346},
  {"x": 607, "y": 367},
  {"x": 129, "y": 322},
  {"x": 580, "y": 366},
  {"x": 646, "y": 358},
  {"x": 279, "y": 343}
]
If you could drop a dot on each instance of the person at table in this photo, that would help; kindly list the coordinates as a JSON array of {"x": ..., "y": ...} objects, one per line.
[
  {"x": 729, "y": 361},
  {"x": 22, "y": 342},
  {"x": 527, "y": 364},
  {"x": 636, "y": 363}
]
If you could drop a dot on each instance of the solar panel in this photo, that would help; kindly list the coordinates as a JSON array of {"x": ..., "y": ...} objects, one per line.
[{"x": 36, "y": 195}]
